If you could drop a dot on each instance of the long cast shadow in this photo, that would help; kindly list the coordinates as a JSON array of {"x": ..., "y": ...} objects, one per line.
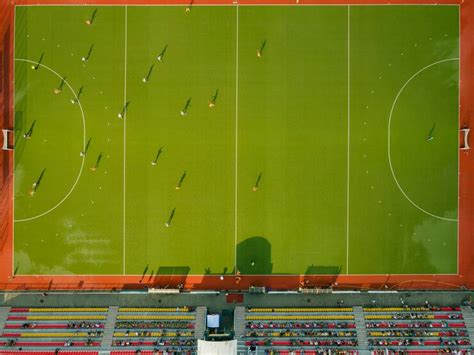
[
  {"x": 162, "y": 54},
  {"x": 213, "y": 101},
  {"x": 170, "y": 218},
  {"x": 254, "y": 256},
  {"x": 89, "y": 53},
  {"x": 38, "y": 63},
  {"x": 144, "y": 272},
  {"x": 97, "y": 162},
  {"x": 158, "y": 154},
  {"x": 91, "y": 19},
  {"x": 124, "y": 110},
  {"x": 78, "y": 96},
  {"x": 180, "y": 182},
  {"x": 29, "y": 133},
  {"x": 148, "y": 75}
]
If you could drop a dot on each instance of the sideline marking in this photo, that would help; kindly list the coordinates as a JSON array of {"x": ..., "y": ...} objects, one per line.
[
  {"x": 13, "y": 152},
  {"x": 348, "y": 129},
  {"x": 459, "y": 138},
  {"x": 236, "y": 133}
]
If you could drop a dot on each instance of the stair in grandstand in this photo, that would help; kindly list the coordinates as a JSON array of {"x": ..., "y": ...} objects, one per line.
[
  {"x": 239, "y": 328},
  {"x": 242, "y": 349},
  {"x": 468, "y": 316},
  {"x": 46, "y": 328},
  {"x": 109, "y": 327},
  {"x": 3, "y": 316},
  {"x": 361, "y": 329},
  {"x": 239, "y": 322},
  {"x": 201, "y": 313}
]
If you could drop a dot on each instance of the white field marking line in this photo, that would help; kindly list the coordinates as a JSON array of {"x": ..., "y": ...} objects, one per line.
[
  {"x": 14, "y": 143},
  {"x": 236, "y": 134},
  {"x": 250, "y": 5},
  {"x": 228, "y": 275},
  {"x": 348, "y": 129},
  {"x": 388, "y": 150},
  {"x": 124, "y": 132},
  {"x": 459, "y": 124},
  {"x": 228, "y": 5},
  {"x": 83, "y": 143}
]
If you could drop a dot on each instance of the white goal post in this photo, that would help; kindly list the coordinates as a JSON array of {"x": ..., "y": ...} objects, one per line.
[
  {"x": 465, "y": 145},
  {"x": 6, "y": 133}
]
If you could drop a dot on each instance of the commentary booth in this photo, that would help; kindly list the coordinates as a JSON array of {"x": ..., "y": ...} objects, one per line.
[{"x": 217, "y": 341}]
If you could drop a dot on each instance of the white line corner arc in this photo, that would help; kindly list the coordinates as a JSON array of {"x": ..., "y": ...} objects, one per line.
[
  {"x": 389, "y": 151},
  {"x": 83, "y": 143}
]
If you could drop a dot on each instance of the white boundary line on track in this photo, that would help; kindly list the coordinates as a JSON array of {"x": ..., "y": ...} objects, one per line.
[
  {"x": 276, "y": 275},
  {"x": 83, "y": 144},
  {"x": 348, "y": 129},
  {"x": 388, "y": 145},
  {"x": 236, "y": 135},
  {"x": 459, "y": 139},
  {"x": 228, "y": 275},
  {"x": 226, "y": 5},
  {"x": 124, "y": 135},
  {"x": 14, "y": 144}
]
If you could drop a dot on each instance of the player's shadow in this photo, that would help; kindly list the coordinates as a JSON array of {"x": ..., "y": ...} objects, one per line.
[
  {"x": 329, "y": 273},
  {"x": 168, "y": 276},
  {"x": 173, "y": 270},
  {"x": 254, "y": 256},
  {"x": 225, "y": 271},
  {"x": 323, "y": 270}
]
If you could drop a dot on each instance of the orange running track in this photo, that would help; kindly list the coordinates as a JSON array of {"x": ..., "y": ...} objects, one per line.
[{"x": 465, "y": 278}]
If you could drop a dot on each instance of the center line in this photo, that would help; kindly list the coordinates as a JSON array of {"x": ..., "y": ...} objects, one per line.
[
  {"x": 348, "y": 129},
  {"x": 236, "y": 133},
  {"x": 124, "y": 133}
]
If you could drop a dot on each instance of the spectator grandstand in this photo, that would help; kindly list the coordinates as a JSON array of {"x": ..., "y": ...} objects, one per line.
[
  {"x": 440, "y": 329},
  {"x": 257, "y": 330},
  {"x": 78, "y": 330},
  {"x": 283, "y": 330},
  {"x": 158, "y": 329},
  {"x": 52, "y": 328}
]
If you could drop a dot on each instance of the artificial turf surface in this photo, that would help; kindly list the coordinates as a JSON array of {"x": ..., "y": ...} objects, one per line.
[{"x": 310, "y": 117}]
